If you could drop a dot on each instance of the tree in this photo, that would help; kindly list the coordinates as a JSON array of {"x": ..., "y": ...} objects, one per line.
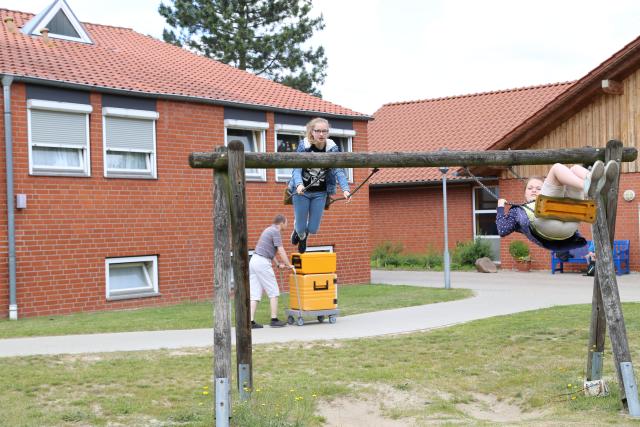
[{"x": 264, "y": 37}]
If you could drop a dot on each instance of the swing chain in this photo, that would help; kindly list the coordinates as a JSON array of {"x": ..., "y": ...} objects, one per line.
[{"x": 492, "y": 194}]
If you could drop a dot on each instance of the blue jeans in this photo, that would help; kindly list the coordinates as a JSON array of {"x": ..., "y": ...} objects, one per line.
[{"x": 308, "y": 209}]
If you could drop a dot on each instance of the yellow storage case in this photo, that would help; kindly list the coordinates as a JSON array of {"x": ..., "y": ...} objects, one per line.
[
  {"x": 316, "y": 291},
  {"x": 314, "y": 262}
]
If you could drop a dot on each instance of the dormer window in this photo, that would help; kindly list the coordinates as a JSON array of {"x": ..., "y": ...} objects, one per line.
[{"x": 60, "y": 22}]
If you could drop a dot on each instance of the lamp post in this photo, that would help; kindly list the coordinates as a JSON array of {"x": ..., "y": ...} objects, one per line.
[{"x": 447, "y": 268}]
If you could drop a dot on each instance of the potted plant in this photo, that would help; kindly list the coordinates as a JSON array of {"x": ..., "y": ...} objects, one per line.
[{"x": 519, "y": 250}]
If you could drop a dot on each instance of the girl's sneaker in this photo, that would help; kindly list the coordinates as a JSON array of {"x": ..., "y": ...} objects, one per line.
[{"x": 593, "y": 176}]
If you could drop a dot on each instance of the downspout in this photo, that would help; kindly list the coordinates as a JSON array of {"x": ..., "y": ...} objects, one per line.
[{"x": 11, "y": 226}]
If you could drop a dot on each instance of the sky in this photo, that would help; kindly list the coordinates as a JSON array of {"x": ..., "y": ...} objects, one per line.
[{"x": 382, "y": 51}]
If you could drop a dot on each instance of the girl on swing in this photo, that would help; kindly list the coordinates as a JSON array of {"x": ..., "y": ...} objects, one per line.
[
  {"x": 575, "y": 182},
  {"x": 312, "y": 186}
]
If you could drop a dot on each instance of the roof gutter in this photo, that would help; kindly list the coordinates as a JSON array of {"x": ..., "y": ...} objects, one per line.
[
  {"x": 182, "y": 98},
  {"x": 11, "y": 227},
  {"x": 431, "y": 182}
]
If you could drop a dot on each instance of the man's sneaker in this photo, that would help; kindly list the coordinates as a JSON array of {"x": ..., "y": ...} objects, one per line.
[
  {"x": 255, "y": 325},
  {"x": 302, "y": 245},
  {"x": 294, "y": 238},
  {"x": 593, "y": 176},
  {"x": 276, "y": 323}
]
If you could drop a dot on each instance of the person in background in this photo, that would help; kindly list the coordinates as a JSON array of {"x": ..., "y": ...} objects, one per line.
[
  {"x": 261, "y": 274},
  {"x": 312, "y": 186}
]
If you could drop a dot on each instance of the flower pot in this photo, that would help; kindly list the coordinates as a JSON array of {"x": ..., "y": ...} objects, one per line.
[{"x": 523, "y": 265}]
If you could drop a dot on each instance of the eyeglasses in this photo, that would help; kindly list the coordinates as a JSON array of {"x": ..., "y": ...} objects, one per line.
[{"x": 321, "y": 131}]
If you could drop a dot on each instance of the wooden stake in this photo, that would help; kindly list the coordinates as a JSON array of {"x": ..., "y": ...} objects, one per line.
[
  {"x": 598, "y": 328},
  {"x": 240, "y": 267},
  {"x": 221, "y": 306}
]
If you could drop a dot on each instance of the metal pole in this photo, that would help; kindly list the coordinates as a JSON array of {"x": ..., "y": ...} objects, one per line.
[{"x": 447, "y": 267}]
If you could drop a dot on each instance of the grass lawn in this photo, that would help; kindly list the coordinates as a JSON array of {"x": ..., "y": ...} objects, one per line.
[
  {"x": 530, "y": 363},
  {"x": 351, "y": 300}
]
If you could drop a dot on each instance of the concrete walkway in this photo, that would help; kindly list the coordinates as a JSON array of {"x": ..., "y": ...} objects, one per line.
[{"x": 495, "y": 294}]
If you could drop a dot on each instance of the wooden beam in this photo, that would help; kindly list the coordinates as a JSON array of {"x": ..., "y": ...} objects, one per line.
[
  {"x": 240, "y": 267},
  {"x": 409, "y": 159},
  {"x": 612, "y": 87},
  {"x": 221, "y": 305},
  {"x": 598, "y": 328}
]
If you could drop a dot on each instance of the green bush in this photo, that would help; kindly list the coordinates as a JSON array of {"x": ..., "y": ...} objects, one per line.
[
  {"x": 519, "y": 250},
  {"x": 389, "y": 255},
  {"x": 466, "y": 253}
]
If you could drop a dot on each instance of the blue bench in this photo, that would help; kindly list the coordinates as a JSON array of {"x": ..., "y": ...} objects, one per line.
[{"x": 620, "y": 257}]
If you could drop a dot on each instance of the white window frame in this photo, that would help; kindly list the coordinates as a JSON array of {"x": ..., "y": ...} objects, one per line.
[
  {"x": 44, "y": 21},
  {"x": 151, "y": 276},
  {"x": 151, "y": 171},
  {"x": 284, "y": 174},
  {"x": 85, "y": 157},
  {"x": 483, "y": 211},
  {"x": 348, "y": 134},
  {"x": 259, "y": 127}
]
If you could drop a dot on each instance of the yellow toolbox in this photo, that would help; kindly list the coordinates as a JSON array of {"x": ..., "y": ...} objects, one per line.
[
  {"x": 313, "y": 292},
  {"x": 314, "y": 262}
]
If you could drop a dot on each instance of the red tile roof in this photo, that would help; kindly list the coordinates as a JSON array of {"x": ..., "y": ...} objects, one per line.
[
  {"x": 468, "y": 122},
  {"x": 121, "y": 59}
]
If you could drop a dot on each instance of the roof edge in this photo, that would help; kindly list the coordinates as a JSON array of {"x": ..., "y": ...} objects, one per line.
[
  {"x": 183, "y": 98},
  {"x": 619, "y": 66}
]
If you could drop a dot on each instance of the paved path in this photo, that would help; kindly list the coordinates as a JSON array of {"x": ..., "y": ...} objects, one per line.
[{"x": 495, "y": 294}]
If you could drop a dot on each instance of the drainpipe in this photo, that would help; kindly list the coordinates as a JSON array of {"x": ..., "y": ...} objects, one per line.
[{"x": 11, "y": 226}]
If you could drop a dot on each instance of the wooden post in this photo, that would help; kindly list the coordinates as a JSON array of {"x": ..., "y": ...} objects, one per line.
[
  {"x": 597, "y": 332},
  {"x": 221, "y": 307},
  {"x": 613, "y": 311},
  {"x": 240, "y": 267}
]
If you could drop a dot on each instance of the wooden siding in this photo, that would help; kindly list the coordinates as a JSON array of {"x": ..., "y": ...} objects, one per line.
[{"x": 607, "y": 117}]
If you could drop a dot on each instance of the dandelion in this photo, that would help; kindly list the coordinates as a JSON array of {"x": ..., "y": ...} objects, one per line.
[
  {"x": 205, "y": 393},
  {"x": 257, "y": 390},
  {"x": 314, "y": 395},
  {"x": 569, "y": 386},
  {"x": 264, "y": 404},
  {"x": 292, "y": 390},
  {"x": 573, "y": 398},
  {"x": 206, "y": 387}
]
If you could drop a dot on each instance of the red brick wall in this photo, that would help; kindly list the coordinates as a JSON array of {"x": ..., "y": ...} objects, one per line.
[
  {"x": 414, "y": 216},
  {"x": 72, "y": 224}
]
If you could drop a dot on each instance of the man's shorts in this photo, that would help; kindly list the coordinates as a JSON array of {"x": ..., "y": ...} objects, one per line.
[{"x": 262, "y": 277}]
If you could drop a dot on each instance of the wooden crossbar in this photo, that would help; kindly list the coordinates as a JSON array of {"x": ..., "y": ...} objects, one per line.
[{"x": 565, "y": 209}]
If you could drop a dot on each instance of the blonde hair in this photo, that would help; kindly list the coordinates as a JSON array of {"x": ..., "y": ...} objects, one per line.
[{"x": 310, "y": 126}]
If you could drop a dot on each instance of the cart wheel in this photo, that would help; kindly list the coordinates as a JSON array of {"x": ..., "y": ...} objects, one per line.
[
  {"x": 300, "y": 321},
  {"x": 290, "y": 320},
  {"x": 320, "y": 319},
  {"x": 333, "y": 319}
]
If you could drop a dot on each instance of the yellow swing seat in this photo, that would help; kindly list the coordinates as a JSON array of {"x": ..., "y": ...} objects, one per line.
[{"x": 565, "y": 209}]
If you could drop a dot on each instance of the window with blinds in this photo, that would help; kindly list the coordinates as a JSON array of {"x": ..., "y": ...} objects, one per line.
[
  {"x": 129, "y": 143},
  {"x": 58, "y": 138}
]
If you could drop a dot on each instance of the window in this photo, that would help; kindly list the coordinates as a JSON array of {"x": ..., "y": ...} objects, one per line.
[
  {"x": 484, "y": 218},
  {"x": 345, "y": 144},
  {"x": 61, "y": 22},
  {"x": 288, "y": 137},
  {"x": 129, "y": 143},
  {"x": 252, "y": 136},
  {"x": 131, "y": 277},
  {"x": 58, "y": 138}
]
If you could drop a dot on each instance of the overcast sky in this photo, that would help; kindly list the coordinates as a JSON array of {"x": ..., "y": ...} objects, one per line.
[{"x": 382, "y": 51}]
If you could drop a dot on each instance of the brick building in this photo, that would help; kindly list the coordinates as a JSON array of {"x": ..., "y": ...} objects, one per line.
[
  {"x": 108, "y": 214},
  {"x": 602, "y": 105}
]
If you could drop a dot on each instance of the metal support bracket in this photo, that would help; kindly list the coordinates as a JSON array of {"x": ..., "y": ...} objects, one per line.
[
  {"x": 596, "y": 365},
  {"x": 630, "y": 388},
  {"x": 244, "y": 383},
  {"x": 222, "y": 402}
]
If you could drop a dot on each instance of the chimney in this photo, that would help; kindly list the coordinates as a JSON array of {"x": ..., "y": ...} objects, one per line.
[
  {"x": 45, "y": 35},
  {"x": 11, "y": 26}
]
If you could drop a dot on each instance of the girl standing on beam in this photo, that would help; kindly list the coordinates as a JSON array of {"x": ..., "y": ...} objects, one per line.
[{"x": 311, "y": 187}]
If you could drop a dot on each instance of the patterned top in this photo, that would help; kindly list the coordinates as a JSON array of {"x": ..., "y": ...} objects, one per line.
[
  {"x": 269, "y": 242},
  {"x": 517, "y": 220}
]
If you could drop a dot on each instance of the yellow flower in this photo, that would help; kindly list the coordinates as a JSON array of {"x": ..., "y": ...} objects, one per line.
[
  {"x": 292, "y": 390},
  {"x": 205, "y": 393},
  {"x": 314, "y": 395},
  {"x": 573, "y": 398},
  {"x": 206, "y": 387},
  {"x": 264, "y": 404},
  {"x": 569, "y": 385},
  {"x": 200, "y": 403},
  {"x": 257, "y": 390}
]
